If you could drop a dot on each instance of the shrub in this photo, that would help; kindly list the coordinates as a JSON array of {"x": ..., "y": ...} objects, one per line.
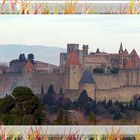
[{"x": 98, "y": 70}]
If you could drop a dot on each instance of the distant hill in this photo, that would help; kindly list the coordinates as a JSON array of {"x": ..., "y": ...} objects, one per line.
[{"x": 41, "y": 53}]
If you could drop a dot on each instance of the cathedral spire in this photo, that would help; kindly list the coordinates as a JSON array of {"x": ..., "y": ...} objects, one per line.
[{"x": 121, "y": 48}]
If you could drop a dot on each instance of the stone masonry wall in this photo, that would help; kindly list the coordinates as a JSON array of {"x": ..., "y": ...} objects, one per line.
[
  {"x": 34, "y": 81},
  {"x": 125, "y": 93}
]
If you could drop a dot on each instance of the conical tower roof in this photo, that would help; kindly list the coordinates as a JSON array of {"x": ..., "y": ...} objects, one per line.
[
  {"x": 121, "y": 48},
  {"x": 87, "y": 78}
]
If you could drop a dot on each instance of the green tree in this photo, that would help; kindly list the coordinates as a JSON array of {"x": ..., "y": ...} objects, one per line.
[
  {"x": 42, "y": 90},
  {"x": 83, "y": 98},
  {"x": 25, "y": 109},
  {"x": 22, "y": 58},
  {"x": 62, "y": 118},
  {"x": 48, "y": 98},
  {"x": 130, "y": 104},
  {"x": 92, "y": 118},
  {"x": 109, "y": 104},
  {"x": 115, "y": 70},
  {"x": 98, "y": 70}
]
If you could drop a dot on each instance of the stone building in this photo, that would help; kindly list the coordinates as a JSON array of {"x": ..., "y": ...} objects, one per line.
[
  {"x": 76, "y": 73},
  {"x": 79, "y": 75}
]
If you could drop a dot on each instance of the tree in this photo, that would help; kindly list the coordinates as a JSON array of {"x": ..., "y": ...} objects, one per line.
[
  {"x": 62, "y": 118},
  {"x": 103, "y": 103},
  {"x": 131, "y": 104},
  {"x": 109, "y": 104},
  {"x": 25, "y": 109},
  {"x": 83, "y": 98},
  {"x": 22, "y": 58},
  {"x": 121, "y": 106},
  {"x": 42, "y": 93},
  {"x": 31, "y": 58},
  {"x": 92, "y": 118},
  {"x": 48, "y": 98},
  {"x": 42, "y": 90},
  {"x": 98, "y": 70},
  {"x": 136, "y": 102},
  {"x": 115, "y": 70},
  {"x": 116, "y": 116}
]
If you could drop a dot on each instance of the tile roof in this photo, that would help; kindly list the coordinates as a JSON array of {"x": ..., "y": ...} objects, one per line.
[
  {"x": 125, "y": 52},
  {"x": 134, "y": 53},
  {"x": 129, "y": 65},
  {"x": 73, "y": 59},
  {"x": 87, "y": 78},
  {"x": 28, "y": 65}
]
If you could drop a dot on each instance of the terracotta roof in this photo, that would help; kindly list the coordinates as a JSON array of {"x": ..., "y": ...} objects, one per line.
[
  {"x": 87, "y": 78},
  {"x": 28, "y": 65},
  {"x": 125, "y": 52},
  {"x": 73, "y": 59},
  {"x": 129, "y": 65},
  {"x": 134, "y": 53}
]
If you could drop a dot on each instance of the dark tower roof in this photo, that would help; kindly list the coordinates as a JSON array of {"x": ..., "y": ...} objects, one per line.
[
  {"x": 87, "y": 78},
  {"x": 121, "y": 48}
]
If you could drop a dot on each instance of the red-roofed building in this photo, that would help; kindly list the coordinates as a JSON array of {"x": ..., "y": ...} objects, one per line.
[
  {"x": 133, "y": 53},
  {"x": 44, "y": 67},
  {"x": 73, "y": 59},
  {"x": 129, "y": 65},
  {"x": 28, "y": 67},
  {"x": 73, "y": 71},
  {"x": 125, "y": 53}
]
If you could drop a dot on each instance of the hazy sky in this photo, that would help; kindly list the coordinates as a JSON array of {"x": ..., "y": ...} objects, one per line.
[{"x": 98, "y": 31}]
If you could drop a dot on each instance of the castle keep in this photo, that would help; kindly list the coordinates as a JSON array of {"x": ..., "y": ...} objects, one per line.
[{"x": 114, "y": 76}]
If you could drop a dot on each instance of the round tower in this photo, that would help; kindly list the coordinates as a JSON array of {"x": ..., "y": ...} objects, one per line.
[{"x": 87, "y": 83}]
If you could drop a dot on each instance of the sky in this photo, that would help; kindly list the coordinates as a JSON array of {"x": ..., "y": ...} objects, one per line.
[{"x": 98, "y": 31}]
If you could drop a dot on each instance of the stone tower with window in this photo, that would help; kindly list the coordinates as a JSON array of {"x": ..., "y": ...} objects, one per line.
[{"x": 73, "y": 69}]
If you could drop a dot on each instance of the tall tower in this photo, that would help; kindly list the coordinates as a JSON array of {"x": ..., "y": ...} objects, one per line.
[
  {"x": 85, "y": 50},
  {"x": 121, "y": 55},
  {"x": 121, "y": 49},
  {"x": 73, "y": 70},
  {"x": 72, "y": 48}
]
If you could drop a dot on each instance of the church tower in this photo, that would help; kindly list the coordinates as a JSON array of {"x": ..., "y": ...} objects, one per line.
[
  {"x": 121, "y": 55},
  {"x": 121, "y": 49},
  {"x": 73, "y": 69}
]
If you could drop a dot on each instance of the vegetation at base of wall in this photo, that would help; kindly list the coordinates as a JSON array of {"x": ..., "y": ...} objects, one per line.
[
  {"x": 118, "y": 112},
  {"x": 22, "y": 108}
]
